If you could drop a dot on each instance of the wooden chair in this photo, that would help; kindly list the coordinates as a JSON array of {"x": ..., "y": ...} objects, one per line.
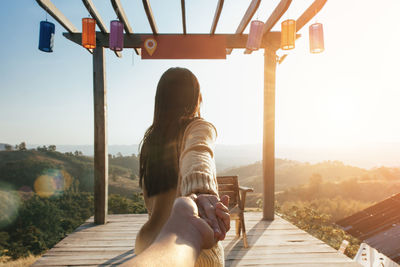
[{"x": 229, "y": 185}]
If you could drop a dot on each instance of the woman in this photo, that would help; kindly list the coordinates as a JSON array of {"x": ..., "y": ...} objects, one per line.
[{"x": 177, "y": 159}]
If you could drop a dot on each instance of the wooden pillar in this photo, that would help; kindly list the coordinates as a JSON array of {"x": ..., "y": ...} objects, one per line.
[
  {"x": 100, "y": 137},
  {"x": 269, "y": 135}
]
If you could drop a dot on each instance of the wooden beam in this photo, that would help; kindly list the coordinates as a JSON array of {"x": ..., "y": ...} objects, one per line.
[
  {"x": 183, "y": 16},
  {"x": 150, "y": 16},
  {"x": 310, "y": 12},
  {"x": 216, "y": 16},
  {"x": 272, "y": 40},
  {"x": 182, "y": 46},
  {"x": 251, "y": 10},
  {"x": 53, "y": 11},
  {"x": 269, "y": 135},
  {"x": 278, "y": 12},
  {"x": 99, "y": 21},
  {"x": 93, "y": 12},
  {"x": 100, "y": 137},
  {"x": 119, "y": 11}
]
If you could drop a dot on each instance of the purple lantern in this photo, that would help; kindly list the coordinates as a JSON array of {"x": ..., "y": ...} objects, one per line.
[
  {"x": 316, "y": 34},
  {"x": 255, "y": 35},
  {"x": 116, "y": 35}
]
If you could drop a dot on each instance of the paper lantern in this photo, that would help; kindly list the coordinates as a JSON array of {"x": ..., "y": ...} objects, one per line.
[
  {"x": 255, "y": 35},
  {"x": 288, "y": 34},
  {"x": 88, "y": 33},
  {"x": 316, "y": 34},
  {"x": 46, "y": 36},
  {"x": 116, "y": 35}
]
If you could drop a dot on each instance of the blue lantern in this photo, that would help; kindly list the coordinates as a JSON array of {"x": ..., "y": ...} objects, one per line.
[{"x": 46, "y": 36}]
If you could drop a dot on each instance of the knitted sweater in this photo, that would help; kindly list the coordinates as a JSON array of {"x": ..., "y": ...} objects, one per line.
[
  {"x": 196, "y": 163},
  {"x": 198, "y": 175}
]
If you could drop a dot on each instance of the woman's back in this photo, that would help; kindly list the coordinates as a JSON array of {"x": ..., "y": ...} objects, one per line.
[{"x": 159, "y": 208}]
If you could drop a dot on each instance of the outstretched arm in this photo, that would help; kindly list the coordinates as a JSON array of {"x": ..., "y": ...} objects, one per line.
[
  {"x": 180, "y": 240},
  {"x": 198, "y": 175}
]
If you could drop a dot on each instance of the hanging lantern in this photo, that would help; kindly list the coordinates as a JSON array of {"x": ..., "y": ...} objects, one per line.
[
  {"x": 316, "y": 34},
  {"x": 116, "y": 35},
  {"x": 288, "y": 34},
  {"x": 255, "y": 35},
  {"x": 46, "y": 36},
  {"x": 88, "y": 33}
]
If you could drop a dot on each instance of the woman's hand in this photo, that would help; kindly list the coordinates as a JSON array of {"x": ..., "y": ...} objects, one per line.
[
  {"x": 184, "y": 217},
  {"x": 215, "y": 212}
]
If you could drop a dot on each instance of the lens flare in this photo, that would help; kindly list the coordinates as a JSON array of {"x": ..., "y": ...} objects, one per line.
[
  {"x": 52, "y": 182},
  {"x": 9, "y": 205}
]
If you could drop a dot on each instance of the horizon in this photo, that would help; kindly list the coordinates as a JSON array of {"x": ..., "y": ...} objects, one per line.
[{"x": 227, "y": 156}]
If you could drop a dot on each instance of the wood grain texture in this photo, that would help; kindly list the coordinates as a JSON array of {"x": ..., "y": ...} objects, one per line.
[
  {"x": 120, "y": 12},
  {"x": 150, "y": 16},
  {"x": 269, "y": 135},
  {"x": 91, "y": 8},
  {"x": 183, "y": 11},
  {"x": 310, "y": 12},
  {"x": 278, "y": 12},
  {"x": 216, "y": 16},
  {"x": 251, "y": 10},
  {"x": 273, "y": 39},
  {"x": 53, "y": 11},
  {"x": 271, "y": 243},
  {"x": 100, "y": 137}
]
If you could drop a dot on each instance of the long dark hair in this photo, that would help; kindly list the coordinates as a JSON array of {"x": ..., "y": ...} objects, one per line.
[{"x": 176, "y": 105}]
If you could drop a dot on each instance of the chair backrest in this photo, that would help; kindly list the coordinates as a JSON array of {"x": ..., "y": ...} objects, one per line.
[{"x": 229, "y": 185}]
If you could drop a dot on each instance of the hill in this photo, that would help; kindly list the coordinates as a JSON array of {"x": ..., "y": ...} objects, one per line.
[
  {"x": 53, "y": 172},
  {"x": 289, "y": 173},
  {"x": 226, "y": 156}
]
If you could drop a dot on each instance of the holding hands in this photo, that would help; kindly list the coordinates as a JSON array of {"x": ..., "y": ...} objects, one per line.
[{"x": 215, "y": 212}]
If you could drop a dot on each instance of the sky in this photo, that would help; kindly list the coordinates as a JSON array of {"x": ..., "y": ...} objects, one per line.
[{"x": 347, "y": 95}]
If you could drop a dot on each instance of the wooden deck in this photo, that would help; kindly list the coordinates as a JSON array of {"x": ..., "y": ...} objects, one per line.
[{"x": 276, "y": 243}]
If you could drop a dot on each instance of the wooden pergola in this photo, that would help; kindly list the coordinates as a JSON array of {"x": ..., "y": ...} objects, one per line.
[{"x": 213, "y": 42}]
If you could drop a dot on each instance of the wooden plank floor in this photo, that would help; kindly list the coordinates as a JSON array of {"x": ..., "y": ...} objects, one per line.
[{"x": 276, "y": 243}]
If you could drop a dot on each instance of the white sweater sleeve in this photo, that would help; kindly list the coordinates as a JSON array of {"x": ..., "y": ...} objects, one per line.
[{"x": 197, "y": 164}]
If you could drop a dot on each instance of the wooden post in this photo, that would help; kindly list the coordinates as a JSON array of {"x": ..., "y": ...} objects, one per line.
[
  {"x": 269, "y": 135},
  {"x": 100, "y": 137}
]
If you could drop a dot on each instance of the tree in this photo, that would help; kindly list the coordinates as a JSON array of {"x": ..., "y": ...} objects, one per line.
[
  {"x": 315, "y": 180},
  {"x": 22, "y": 146},
  {"x": 42, "y": 149},
  {"x": 7, "y": 147},
  {"x": 52, "y": 148},
  {"x": 314, "y": 184}
]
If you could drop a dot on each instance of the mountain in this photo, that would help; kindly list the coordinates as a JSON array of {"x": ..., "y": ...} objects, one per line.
[
  {"x": 226, "y": 156},
  {"x": 289, "y": 173},
  {"x": 52, "y": 172},
  {"x": 367, "y": 155}
]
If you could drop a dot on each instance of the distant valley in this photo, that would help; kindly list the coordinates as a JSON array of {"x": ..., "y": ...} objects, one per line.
[{"x": 365, "y": 156}]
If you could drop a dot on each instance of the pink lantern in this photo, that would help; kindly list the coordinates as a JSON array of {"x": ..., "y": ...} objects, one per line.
[
  {"x": 116, "y": 35},
  {"x": 316, "y": 34},
  {"x": 255, "y": 35}
]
